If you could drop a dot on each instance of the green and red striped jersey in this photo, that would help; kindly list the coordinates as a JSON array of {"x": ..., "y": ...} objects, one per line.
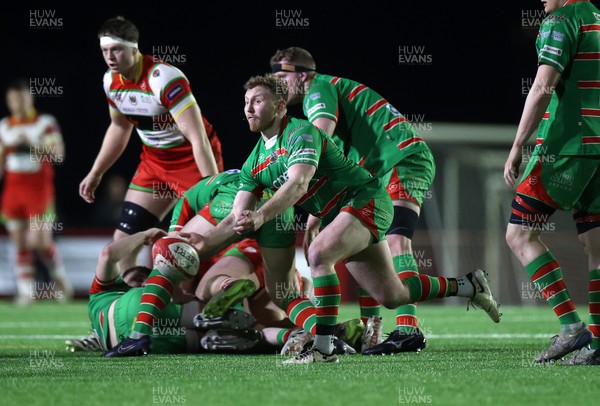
[
  {"x": 365, "y": 122},
  {"x": 569, "y": 41},
  {"x": 299, "y": 142}
]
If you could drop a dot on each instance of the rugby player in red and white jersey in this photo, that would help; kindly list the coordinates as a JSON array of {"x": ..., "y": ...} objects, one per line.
[
  {"x": 30, "y": 143},
  {"x": 180, "y": 145}
]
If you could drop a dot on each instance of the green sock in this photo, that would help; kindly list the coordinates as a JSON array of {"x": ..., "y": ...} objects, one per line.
[
  {"x": 595, "y": 307},
  {"x": 156, "y": 295},
  {"x": 406, "y": 315},
  {"x": 368, "y": 306},
  {"x": 546, "y": 275}
]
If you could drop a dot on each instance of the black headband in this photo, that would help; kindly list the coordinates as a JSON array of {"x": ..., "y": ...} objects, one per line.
[{"x": 287, "y": 67}]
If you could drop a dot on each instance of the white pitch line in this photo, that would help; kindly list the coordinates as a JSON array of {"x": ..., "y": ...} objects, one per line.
[
  {"x": 43, "y": 324},
  {"x": 39, "y": 337},
  {"x": 432, "y": 336},
  {"x": 493, "y": 336}
]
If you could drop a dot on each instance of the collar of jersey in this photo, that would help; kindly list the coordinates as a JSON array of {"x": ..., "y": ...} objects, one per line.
[
  {"x": 23, "y": 120},
  {"x": 138, "y": 74},
  {"x": 575, "y": 1}
]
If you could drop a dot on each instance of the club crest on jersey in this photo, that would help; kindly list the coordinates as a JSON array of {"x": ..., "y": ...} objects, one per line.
[
  {"x": 156, "y": 73},
  {"x": 119, "y": 96},
  {"x": 273, "y": 157},
  {"x": 597, "y": 16},
  {"x": 132, "y": 99}
]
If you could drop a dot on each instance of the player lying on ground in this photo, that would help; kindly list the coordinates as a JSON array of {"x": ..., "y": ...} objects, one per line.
[
  {"x": 201, "y": 209},
  {"x": 305, "y": 168},
  {"x": 206, "y": 204},
  {"x": 116, "y": 302},
  {"x": 238, "y": 275}
]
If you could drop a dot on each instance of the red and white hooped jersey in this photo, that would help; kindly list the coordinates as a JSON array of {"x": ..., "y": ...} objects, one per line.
[
  {"x": 159, "y": 94},
  {"x": 34, "y": 133}
]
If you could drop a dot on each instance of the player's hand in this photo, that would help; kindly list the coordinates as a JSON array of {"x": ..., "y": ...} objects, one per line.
[
  {"x": 88, "y": 186},
  {"x": 152, "y": 235},
  {"x": 248, "y": 221},
  {"x": 312, "y": 230},
  {"x": 511, "y": 167},
  {"x": 197, "y": 240}
]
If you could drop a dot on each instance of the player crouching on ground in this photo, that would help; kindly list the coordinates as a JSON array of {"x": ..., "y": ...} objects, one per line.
[{"x": 307, "y": 169}]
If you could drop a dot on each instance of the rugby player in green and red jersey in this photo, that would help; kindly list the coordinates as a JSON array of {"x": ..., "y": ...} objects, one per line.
[
  {"x": 304, "y": 167},
  {"x": 377, "y": 137},
  {"x": 564, "y": 172}
]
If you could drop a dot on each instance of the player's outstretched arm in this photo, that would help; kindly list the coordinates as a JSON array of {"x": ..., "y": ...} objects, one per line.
[
  {"x": 218, "y": 238},
  {"x": 536, "y": 104},
  {"x": 192, "y": 127},
  {"x": 115, "y": 140},
  {"x": 107, "y": 268},
  {"x": 299, "y": 176}
]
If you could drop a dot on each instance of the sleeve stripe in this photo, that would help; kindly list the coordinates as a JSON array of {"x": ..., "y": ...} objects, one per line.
[
  {"x": 302, "y": 160},
  {"x": 187, "y": 106},
  {"x": 562, "y": 68},
  {"x": 323, "y": 114}
]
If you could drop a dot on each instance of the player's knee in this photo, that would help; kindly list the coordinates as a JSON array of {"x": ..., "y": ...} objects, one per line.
[
  {"x": 135, "y": 218},
  {"x": 318, "y": 258},
  {"x": 591, "y": 244},
  {"x": 388, "y": 301},
  {"x": 588, "y": 231},
  {"x": 512, "y": 237},
  {"x": 527, "y": 220}
]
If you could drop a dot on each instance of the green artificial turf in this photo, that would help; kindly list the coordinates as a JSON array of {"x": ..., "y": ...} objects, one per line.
[{"x": 468, "y": 360}]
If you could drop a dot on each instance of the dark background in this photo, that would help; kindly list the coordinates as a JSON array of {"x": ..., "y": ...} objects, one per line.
[{"x": 481, "y": 52}]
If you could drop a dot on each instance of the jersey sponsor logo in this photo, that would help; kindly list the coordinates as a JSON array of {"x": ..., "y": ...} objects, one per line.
[
  {"x": 314, "y": 108},
  {"x": 305, "y": 151},
  {"x": 134, "y": 110},
  {"x": 307, "y": 137},
  {"x": 119, "y": 95},
  {"x": 544, "y": 34},
  {"x": 174, "y": 92},
  {"x": 315, "y": 96},
  {"x": 558, "y": 36},
  {"x": 551, "y": 50},
  {"x": 281, "y": 179},
  {"x": 302, "y": 137}
]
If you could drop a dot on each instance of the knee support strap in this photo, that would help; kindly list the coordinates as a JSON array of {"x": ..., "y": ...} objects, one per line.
[
  {"x": 135, "y": 218},
  {"x": 530, "y": 212},
  {"x": 404, "y": 222},
  {"x": 585, "y": 221}
]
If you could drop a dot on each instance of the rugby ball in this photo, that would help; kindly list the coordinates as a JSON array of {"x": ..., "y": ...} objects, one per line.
[{"x": 170, "y": 253}]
